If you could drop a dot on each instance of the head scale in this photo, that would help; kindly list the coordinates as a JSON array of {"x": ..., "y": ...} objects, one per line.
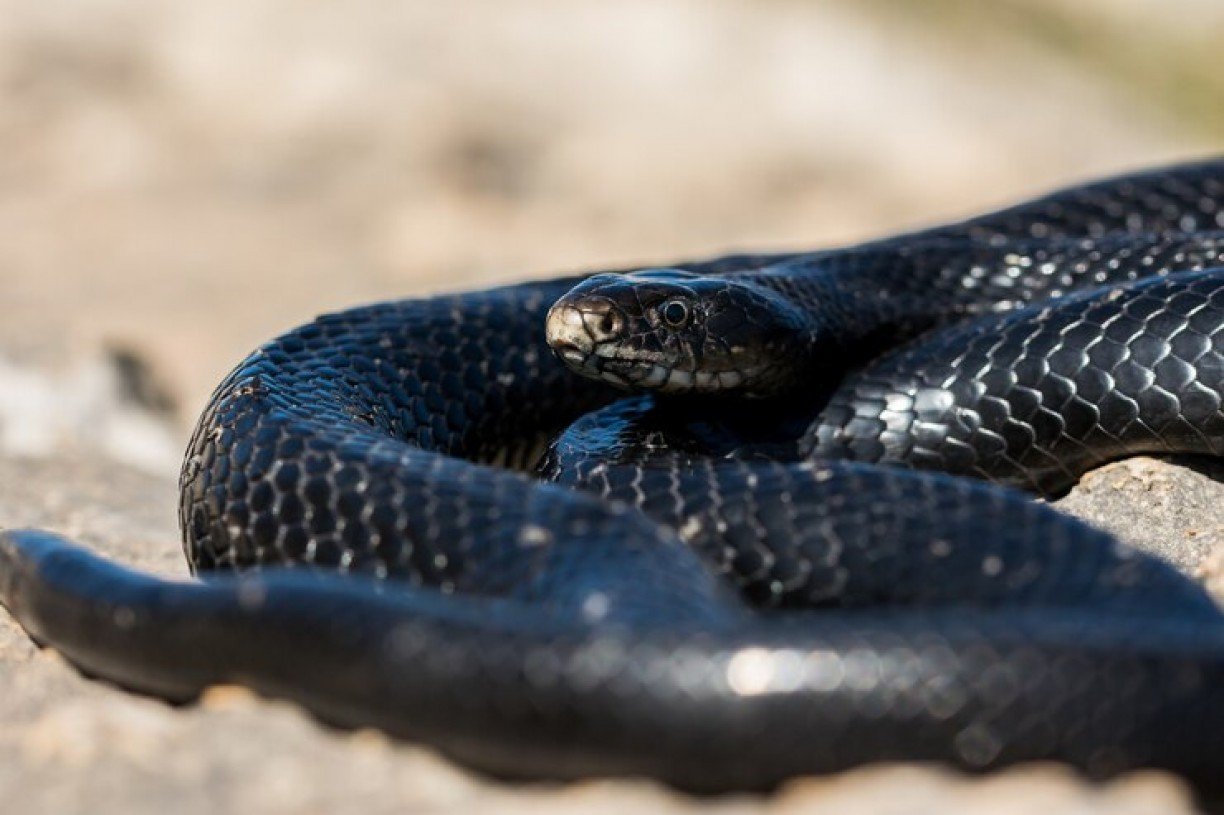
[{"x": 670, "y": 331}]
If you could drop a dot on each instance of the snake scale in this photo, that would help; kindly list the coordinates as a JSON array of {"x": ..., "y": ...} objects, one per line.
[{"x": 418, "y": 516}]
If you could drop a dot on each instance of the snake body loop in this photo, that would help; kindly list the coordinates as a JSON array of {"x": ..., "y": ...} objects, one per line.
[{"x": 719, "y": 584}]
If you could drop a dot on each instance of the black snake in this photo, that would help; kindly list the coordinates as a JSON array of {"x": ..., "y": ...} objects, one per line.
[{"x": 725, "y": 601}]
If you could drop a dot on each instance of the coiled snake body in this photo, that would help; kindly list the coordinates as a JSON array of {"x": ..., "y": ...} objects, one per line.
[{"x": 720, "y": 590}]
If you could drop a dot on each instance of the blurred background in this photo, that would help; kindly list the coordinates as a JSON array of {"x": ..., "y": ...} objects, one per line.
[{"x": 182, "y": 180}]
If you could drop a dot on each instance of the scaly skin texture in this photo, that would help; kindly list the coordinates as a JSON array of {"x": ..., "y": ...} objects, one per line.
[
  {"x": 735, "y": 615},
  {"x": 791, "y": 327}
]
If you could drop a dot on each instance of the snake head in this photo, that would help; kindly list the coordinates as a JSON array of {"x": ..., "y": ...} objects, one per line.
[{"x": 670, "y": 331}]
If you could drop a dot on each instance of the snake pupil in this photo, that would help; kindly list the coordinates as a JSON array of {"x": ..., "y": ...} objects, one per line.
[{"x": 675, "y": 313}]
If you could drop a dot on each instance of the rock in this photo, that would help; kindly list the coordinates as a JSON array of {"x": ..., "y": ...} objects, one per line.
[
  {"x": 109, "y": 402},
  {"x": 1176, "y": 512}
]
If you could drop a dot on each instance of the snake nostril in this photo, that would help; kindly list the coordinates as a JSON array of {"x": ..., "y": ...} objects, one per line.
[
  {"x": 610, "y": 323},
  {"x": 603, "y": 322}
]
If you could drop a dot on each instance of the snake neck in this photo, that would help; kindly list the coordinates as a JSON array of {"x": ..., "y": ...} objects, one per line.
[{"x": 858, "y": 302}]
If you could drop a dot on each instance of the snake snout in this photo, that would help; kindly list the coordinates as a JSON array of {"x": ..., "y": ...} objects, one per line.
[{"x": 573, "y": 330}]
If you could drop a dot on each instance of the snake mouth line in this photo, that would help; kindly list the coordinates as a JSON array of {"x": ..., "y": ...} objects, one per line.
[
  {"x": 636, "y": 373},
  {"x": 572, "y": 355}
]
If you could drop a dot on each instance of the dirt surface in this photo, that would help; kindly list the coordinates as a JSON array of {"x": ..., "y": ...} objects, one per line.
[{"x": 180, "y": 181}]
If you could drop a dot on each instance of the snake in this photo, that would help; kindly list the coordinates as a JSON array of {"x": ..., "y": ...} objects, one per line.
[{"x": 720, "y": 523}]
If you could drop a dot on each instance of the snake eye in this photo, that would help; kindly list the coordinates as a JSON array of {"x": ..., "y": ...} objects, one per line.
[{"x": 675, "y": 313}]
